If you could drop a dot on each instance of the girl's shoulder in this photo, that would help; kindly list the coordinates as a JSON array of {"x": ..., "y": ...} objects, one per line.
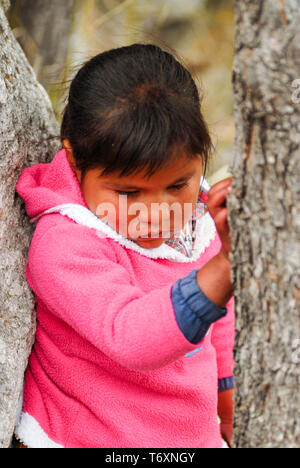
[{"x": 57, "y": 235}]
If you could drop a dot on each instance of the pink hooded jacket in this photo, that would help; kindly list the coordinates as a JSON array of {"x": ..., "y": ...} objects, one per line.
[{"x": 110, "y": 367}]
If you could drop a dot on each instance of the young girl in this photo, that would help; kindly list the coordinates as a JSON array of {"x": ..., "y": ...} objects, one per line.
[{"x": 135, "y": 322}]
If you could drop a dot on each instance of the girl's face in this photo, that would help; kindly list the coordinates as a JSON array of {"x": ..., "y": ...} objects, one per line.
[{"x": 136, "y": 206}]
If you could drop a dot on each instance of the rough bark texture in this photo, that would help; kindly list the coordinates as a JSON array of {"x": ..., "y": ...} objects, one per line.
[
  {"x": 5, "y": 4},
  {"x": 265, "y": 224},
  {"x": 26, "y": 121}
]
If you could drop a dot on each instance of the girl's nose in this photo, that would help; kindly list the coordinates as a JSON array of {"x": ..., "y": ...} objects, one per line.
[
  {"x": 154, "y": 219},
  {"x": 154, "y": 214}
]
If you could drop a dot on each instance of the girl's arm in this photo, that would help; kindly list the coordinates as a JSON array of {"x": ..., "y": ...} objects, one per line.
[
  {"x": 78, "y": 278},
  {"x": 222, "y": 338},
  {"x": 214, "y": 278},
  {"x": 211, "y": 285},
  {"x": 223, "y": 330}
]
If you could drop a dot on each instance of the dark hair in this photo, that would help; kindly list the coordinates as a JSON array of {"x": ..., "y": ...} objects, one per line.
[{"x": 134, "y": 108}]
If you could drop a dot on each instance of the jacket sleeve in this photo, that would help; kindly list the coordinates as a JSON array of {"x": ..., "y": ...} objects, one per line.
[
  {"x": 193, "y": 310},
  {"x": 83, "y": 284},
  {"x": 222, "y": 338}
]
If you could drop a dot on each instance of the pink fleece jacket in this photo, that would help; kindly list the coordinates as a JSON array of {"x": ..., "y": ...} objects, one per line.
[{"x": 109, "y": 366}]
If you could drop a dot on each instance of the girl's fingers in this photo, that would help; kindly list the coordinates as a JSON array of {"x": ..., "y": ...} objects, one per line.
[
  {"x": 217, "y": 207},
  {"x": 221, "y": 220},
  {"x": 220, "y": 185},
  {"x": 217, "y": 201}
]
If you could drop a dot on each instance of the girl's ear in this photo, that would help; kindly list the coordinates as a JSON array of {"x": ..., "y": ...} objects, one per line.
[
  {"x": 70, "y": 157},
  {"x": 67, "y": 146}
]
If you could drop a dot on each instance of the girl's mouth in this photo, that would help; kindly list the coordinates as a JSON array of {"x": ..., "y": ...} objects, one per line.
[{"x": 160, "y": 235}]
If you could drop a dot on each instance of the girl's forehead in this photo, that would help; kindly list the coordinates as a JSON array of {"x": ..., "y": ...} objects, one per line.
[{"x": 181, "y": 169}]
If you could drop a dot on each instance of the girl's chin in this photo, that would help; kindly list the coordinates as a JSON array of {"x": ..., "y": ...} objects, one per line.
[{"x": 149, "y": 243}]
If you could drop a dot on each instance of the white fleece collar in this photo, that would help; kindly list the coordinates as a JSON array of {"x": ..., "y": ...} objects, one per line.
[{"x": 205, "y": 232}]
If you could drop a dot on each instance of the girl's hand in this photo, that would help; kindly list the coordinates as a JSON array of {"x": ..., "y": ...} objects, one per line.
[
  {"x": 218, "y": 210},
  {"x": 227, "y": 432},
  {"x": 225, "y": 412}
]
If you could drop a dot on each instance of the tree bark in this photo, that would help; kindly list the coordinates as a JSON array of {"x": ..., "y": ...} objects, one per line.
[
  {"x": 265, "y": 224},
  {"x": 26, "y": 123}
]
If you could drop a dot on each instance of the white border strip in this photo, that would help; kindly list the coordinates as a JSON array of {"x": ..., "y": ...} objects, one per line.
[{"x": 30, "y": 433}]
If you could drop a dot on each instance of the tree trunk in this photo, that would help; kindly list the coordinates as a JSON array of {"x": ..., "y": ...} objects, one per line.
[
  {"x": 265, "y": 224},
  {"x": 47, "y": 26},
  {"x": 26, "y": 122}
]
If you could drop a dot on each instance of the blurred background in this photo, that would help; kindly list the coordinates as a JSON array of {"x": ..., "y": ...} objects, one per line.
[{"x": 59, "y": 36}]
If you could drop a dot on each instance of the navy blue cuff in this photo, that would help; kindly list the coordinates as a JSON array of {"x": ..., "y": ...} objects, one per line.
[
  {"x": 225, "y": 384},
  {"x": 194, "y": 312}
]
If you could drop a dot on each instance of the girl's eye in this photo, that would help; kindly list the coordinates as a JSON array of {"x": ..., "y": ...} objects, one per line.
[
  {"x": 180, "y": 186},
  {"x": 136, "y": 192},
  {"x": 121, "y": 192}
]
